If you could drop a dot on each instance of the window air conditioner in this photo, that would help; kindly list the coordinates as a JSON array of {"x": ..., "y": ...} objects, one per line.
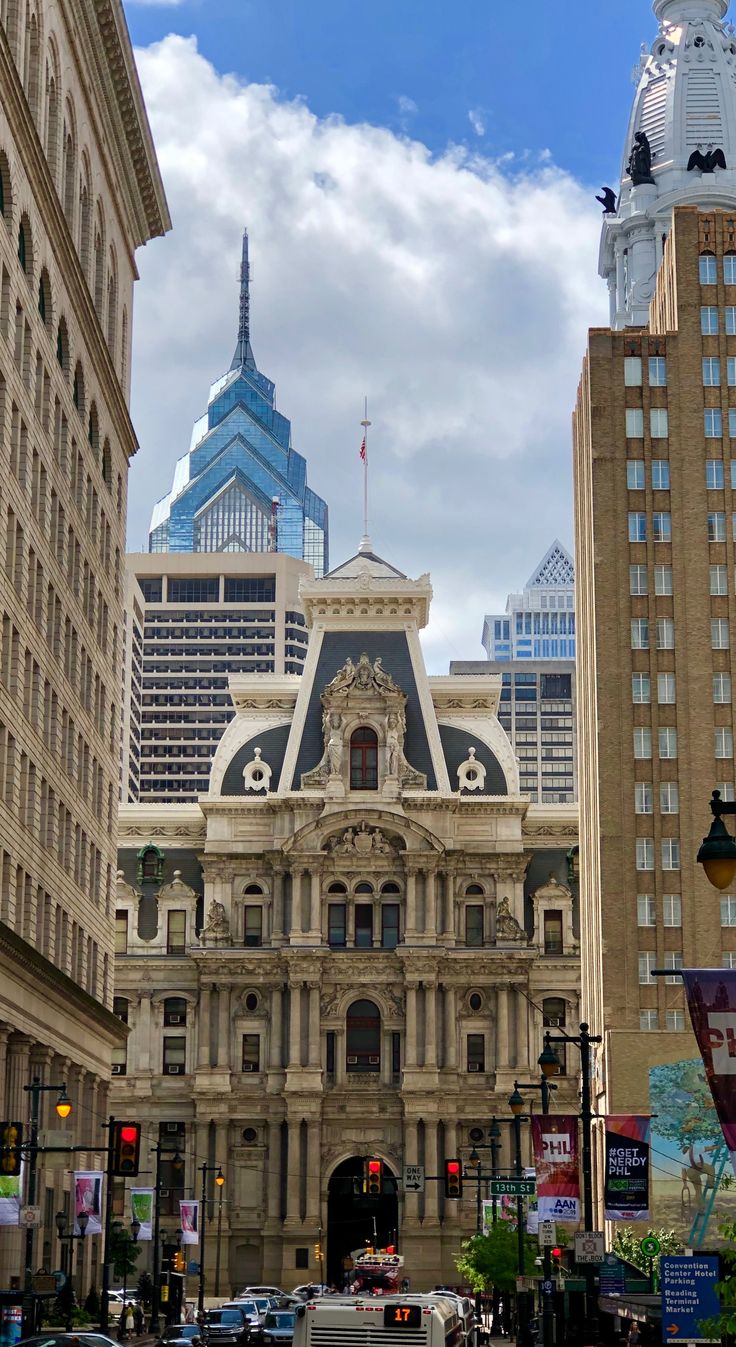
[
  {"x": 173, "y": 1070},
  {"x": 352, "y": 1061},
  {"x": 175, "y": 1019},
  {"x": 172, "y": 1128},
  {"x": 118, "y": 1069},
  {"x": 552, "y": 1022},
  {"x": 249, "y": 1066},
  {"x": 373, "y": 1061},
  {"x": 473, "y": 1066},
  {"x": 165, "y": 1192}
]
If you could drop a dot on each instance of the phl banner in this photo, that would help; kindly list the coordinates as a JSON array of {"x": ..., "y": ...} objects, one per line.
[
  {"x": 88, "y": 1197},
  {"x": 189, "y": 1222},
  {"x": 141, "y": 1207},
  {"x": 711, "y": 997},
  {"x": 627, "y": 1168},
  {"x": 555, "y": 1143}
]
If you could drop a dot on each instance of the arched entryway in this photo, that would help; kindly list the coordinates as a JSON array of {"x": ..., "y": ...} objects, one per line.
[{"x": 355, "y": 1220}]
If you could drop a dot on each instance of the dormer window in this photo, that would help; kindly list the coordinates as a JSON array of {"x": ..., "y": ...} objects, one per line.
[
  {"x": 364, "y": 759},
  {"x": 150, "y": 867}
]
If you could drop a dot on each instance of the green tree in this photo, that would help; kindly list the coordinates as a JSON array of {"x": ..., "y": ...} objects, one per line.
[
  {"x": 124, "y": 1253},
  {"x": 492, "y": 1260},
  {"x": 725, "y": 1325},
  {"x": 626, "y": 1245}
]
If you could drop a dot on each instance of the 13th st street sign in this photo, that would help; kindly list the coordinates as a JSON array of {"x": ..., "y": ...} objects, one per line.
[{"x": 512, "y": 1187}]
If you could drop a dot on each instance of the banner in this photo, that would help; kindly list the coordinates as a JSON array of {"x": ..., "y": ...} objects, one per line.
[
  {"x": 627, "y": 1168},
  {"x": 189, "y": 1222},
  {"x": 11, "y": 1189},
  {"x": 88, "y": 1197},
  {"x": 711, "y": 998},
  {"x": 141, "y": 1210},
  {"x": 555, "y": 1144}
]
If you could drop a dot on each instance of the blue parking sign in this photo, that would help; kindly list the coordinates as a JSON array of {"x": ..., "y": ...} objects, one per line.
[{"x": 688, "y": 1296}]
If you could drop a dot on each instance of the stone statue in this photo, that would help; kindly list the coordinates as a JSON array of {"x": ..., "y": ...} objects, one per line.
[
  {"x": 507, "y": 927},
  {"x": 344, "y": 678},
  {"x": 333, "y": 743},
  {"x": 708, "y": 162},
  {"x": 217, "y": 930},
  {"x": 364, "y": 673},
  {"x": 393, "y": 745},
  {"x": 381, "y": 678},
  {"x": 639, "y": 166}
]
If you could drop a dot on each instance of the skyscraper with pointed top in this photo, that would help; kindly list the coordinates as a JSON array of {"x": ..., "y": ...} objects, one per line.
[{"x": 242, "y": 487}]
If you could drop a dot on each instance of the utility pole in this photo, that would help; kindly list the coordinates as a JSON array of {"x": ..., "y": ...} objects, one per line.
[{"x": 63, "y": 1108}]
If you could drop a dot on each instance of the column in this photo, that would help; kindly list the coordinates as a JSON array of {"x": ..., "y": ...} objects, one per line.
[
  {"x": 295, "y": 1027},
  {"x": 430, "y": 1024},
  {"x": 411, "y": 906},
  {"x": 315, "y": 908},
  {"x": 502, "y": 1026},
  {"x": 203, "y": 1025},
  {"x": 410, "y": 1044},
  {"x": 293, "y": 1176},
  {"x": 277, "y": 908},
  {"x": 19, "y": 1049},
  {"x": 411, "y": 1157},
  {"x": 276, "y": 1030},
  {"x": 273, "y": 1172},
  {"x": 522, "y": 1030},
  {"x": 350, "y": 920},
  {"x": 144, "y": 1031},
  {"x": 5, "y": 1032},
  {"x": 431, "y": 1166},
  {"x": 451, "y": 1029},
  {"x": 430, "y": 904},
  {"x": 314, "y": 1171},
  {"x": 223, "y": 1029},
  {"x": 315, "y": 1056}
]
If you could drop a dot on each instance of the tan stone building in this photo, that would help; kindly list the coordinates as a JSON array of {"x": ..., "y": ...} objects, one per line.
[
  {"x": 346, "y": 948},
  {"x": 79, "y": 192}
]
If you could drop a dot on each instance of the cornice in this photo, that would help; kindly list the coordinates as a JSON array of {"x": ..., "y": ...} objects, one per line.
[{"x": 43, "y": 973}]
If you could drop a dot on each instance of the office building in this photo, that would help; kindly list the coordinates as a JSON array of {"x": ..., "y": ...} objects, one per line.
[
  {"x": 242, "y": 487},
  {"x": 80, "y": 191},
  {"x": 539, "y": 623},
  {"x": 192, "y": 620}
]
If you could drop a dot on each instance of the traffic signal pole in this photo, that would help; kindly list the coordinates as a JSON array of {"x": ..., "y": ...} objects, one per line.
[{"x": 105, "y": 1298}]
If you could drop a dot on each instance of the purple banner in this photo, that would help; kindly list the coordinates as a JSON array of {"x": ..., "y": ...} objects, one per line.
[
  {"x": 711, "y": 996},
  {"x": 627, "y": 1168}
]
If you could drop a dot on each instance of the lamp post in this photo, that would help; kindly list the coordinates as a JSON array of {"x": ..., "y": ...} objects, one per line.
[
  {"x": 550, "y": 1065},
  {"x": 219, "y": 1240},
  {"x": 82, "y": 1221},
  {"x": 544, "y": 1087},
  {"x": 516, "y": 1104},
  {"x": 717, "y": 855},
  {"x": 63, "y": 1109},
  {"x": 219, "y": 1180},
  {"x": 154, "y": 1325},
  {"x": 135, "y": 1230}
]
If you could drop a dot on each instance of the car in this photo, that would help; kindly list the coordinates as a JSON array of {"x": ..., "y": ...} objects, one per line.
[
  {"x": 260, "y": 1291},
  {"x": 278, "y": 1326},
  {"x": 116, "y": 1298},
  {"x": 59, "y": 1338},
  {"x": 251, "y": 1311},
  {"x": 310, "y": 1290},
  {"x": 178, "y": 1335},
  {"x": 229, "y": 1326}
]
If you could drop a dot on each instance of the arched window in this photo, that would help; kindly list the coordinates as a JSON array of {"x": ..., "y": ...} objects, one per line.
[
  {"x": 112, "y": 304},
  {"x": 78, "y": 388},
  {"x": 107, "y": 463},
  {"x": 363, "y": 1037},
  {"x": 69, "y": 154},
  {"x": 52, "y": 111},
  {"x": 150, "y": 867},
  {"x": 93, "y": 429},
  {"x": 473, "y": 891},
  {"x": 6, "y": 195},
  {"x": 98, "y": 279},
  {"x": 33, "y": 66},
  {"x": 364, "y": 759},
  {"x": 175, "y": 1010},
  {"x": 124, "y": 351},
  {"x": 24, "y": 245},
  {"x": 44, "y": 298},
  {"x": 85, "y": 217}
]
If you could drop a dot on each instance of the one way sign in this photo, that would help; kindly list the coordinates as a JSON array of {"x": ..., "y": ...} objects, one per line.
[{"x": 413, "y": 1178}]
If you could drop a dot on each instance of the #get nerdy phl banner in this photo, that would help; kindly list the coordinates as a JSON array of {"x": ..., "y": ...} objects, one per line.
[
  {"x": 627, "y": 1168},
  {"x": 711, "y": 998},
  {"x": 555, "y": 1143}
]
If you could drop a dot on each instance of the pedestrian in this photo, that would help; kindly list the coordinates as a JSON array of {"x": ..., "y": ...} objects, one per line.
[
  {"x": 129, "y": 1321},
  {"x": 634, "y": 1338},
  {"x": 138, "y": 1318},
  {"x": 121, "y": 1325}
]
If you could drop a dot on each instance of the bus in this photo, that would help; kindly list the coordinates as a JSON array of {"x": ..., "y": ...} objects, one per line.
[
  {"x": 376, "y": 1272},
  {"x": 385, "y": 1321}
]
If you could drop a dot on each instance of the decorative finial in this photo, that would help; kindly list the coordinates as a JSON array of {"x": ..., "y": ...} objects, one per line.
[
  {"x": 243, "y": 353},
  {"x": 365, "y": 542}
]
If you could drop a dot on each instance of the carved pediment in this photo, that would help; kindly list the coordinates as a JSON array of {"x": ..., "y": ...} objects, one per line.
[
  {"x": 362, "y": 841},
  {"x": 126, "y": 890},
  {"x": 177, "y": 890}
]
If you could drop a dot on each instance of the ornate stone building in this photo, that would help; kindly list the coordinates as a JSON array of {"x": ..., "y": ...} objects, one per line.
[{"x": 346, "y": 948}]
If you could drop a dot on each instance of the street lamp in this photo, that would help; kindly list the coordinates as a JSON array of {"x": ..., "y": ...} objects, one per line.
[
  {"x": 220, "y": 1181},
  {"x": 135, "y": 1230},
  {"x": 63, "y": 1108},
  {"x": 82, "y": 1220},
  {"x": 516, "y": 1104},
  {"x": 549, "y": 1065},
  {"x": 717, "y": 854},
  {"x": 177, "y": 1163}
]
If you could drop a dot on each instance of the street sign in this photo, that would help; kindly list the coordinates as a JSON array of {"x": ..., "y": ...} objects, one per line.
[
  {"x": 413, "y": 1178},
  {"x": 612, "y": 1276},
  {"x": 30, "y": 1217},
  {"x": 548, "y": 1288},
  {"x": 688, "y": 1296},
  {"x": 44, "y": 1284},
  {"x": 589, "y": 1247},
  {"x": 650, "y": 1246},
  {"x": 547, "y": 1234},
  {"x": 512, "y": 1187}
]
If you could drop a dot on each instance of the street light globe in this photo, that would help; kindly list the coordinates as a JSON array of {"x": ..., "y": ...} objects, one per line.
[
  {"x": 60, "y": 1219},
  {"x": 135, "y": 1230},
  {"x": 717, "y": 855},
  {"x": 494, "y": 1131},
  {"x": 516, "y": 1103},
  {"x": 83, "y": 1222},
  {"x": 548, "y": 1061},
  {"x": 63, "y": 1103},
  {"x": 219, "y": 1177}
]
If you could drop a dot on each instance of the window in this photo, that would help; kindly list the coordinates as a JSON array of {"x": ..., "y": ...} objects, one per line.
[
  {"x": 648, "y": 1020},
  {"x": 634, "y": 423},
  {"x": 672, "y": 908},
  {"x": 646, "y": 910},
  {"x": 730, "y": 321},
  {"x": 714, "y": 474},
  {"x": 553, "y": 932},
  {"x": 253, "y": 926},
  {"x": 662, "y": 526},
  {"x": 363, "y": 1040},
  {"x": 728, "y": 959},
  {"x": 643, "y": 797},
  {"x": 639, "y": 633},
  {"x": 121, "y": 933},
  {"x": 729, "y": 269},
  {"x": 175, "y": 1056},
  {"x": 666, "y": 689},
  {"x": 176, "y": 932},
  {"x": 670, "y": 853},
  {"x": 474, "y": 924},
  {"x": 731, "y": 370},
  {"x": 476, "y": 1052},
  {"x": 721, "y": 688},
  {"x": 301, "y": 1258},
  {"x": 673, "y": 959},
  {"x": 660, "y": 474},
  {"x": 647, "y": 961},
  {"x": 638, "y": 580},
  {"x": 732, "y": 423},
  {"x": 727, "y": 790},
  {"x": 718, "y": 580},
  {"x": 711, "y": 371},
  {"x": 716, "y": 527},
  {"x": 662, "y": 580},
  {"x": 396, "y": 1056},
  {"x": 635, "y": 474},
  {"x": 667, "y": 743},
  {"x": 657, "y": 371},
  {"x": 723, "y": 740},
  {"x": 669, "y": 797},
  {"x": 641, "y": 688},
  {"x": 175, "y": 1010},
  {"x": 719, "y": 638},
  {"x": 675, "y": 1020},
  {"x": 336, "y": 928},
  {"x": 389, "y": 925},
  {"x": 644, "y": 853},
  {"x": 363, "y": 925},
  {"x": 708, "y": 274},
  {"x": 250, "y": 589},
  {"x": 193, "y": 590},
  {"x": 251, "y": 1052},
  {"x": 665, "y": 633},
  {"x": 658, "y": 423},
  {"x": 642, "y": 742},
  {"x": 632, "y": 371},
  {"x": 119, "y": 1061},
  {"x": 637, "y": 526},
  {"x": 712, "y": 423},
  {"x": 120, "y": 1007},
  {"x": 364, "y": 759},
  {"x": 709, "y": 320}
]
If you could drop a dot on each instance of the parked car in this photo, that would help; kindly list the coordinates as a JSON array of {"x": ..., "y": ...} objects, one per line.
[
  {"x": 58, "y": 1338},
  {"x": 178, "y": 1335},
  {"x": 227, "y": 1327},
  {"x": 260, "y": 1291},
  {"x": 278, "y": 1326},
  {"x": 116, "y": 1298}
]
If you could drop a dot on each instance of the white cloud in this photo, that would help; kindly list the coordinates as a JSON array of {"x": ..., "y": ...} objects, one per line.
[
  {"x": 476, "y": 119},
  {"x": 454, "y": 293},
  {"x": 407, "y": 107}
]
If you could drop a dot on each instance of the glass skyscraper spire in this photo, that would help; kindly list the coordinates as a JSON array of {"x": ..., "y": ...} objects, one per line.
[{"x": 242, "y": 487}]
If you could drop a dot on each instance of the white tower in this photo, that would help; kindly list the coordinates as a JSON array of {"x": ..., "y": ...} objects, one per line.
[{"x": 685, "y": 106}]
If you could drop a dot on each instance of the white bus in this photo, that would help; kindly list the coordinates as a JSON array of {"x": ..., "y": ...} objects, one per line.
[{"x": 378, "y": 1321}]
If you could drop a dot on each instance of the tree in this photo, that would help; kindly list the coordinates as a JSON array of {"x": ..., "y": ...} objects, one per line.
[
  {"x": 626, "y": 1245},
  {"x": 124, "y": 1254},
  {"x": 725, "y": 1325},
  {"x": 492, "y": 1260}
]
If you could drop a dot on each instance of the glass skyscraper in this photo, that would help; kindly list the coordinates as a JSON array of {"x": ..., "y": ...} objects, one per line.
[{"x": 242, "y": 487}]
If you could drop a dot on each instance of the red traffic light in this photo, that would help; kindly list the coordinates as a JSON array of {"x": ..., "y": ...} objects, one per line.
[
  {"x": 129, "y": 1133},
  {"x": 453, "y": 1179},
  {"x": 374, "y": 1177},
  {"x": 557, "y": 1253},
  {"x": 374, "y": 1166},
  {"x": 126, "y": 1149}
]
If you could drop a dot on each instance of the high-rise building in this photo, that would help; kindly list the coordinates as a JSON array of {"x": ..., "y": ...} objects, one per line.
[
  {"x": 242, "y": 487},
  {"x": 539, "y": 623},
  {"x": 192, "y": 620},
  {"x": 655, "y": 521},
  {"x": 80, "y": 191}
]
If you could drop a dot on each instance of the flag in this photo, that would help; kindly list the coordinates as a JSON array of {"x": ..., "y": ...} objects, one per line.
[
  {"x": 627, "y": 1168},
  {"x": 189, "y": 1222},
  {"x": 88, "y": 1197},
  {"x": 141, "y": 1206},
  {"x": 711, "y": 998},
  {"x": 555, "y": 1144},
  {"x": 363, "y": 450}
]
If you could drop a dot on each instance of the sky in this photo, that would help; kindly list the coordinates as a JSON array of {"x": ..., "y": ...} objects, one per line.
[{"x": 418, "y": 182}]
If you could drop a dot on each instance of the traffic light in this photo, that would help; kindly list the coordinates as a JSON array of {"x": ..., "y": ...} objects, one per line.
[
  {"x": 179, "y": 1261},
  {"x": 126, "y": 1149},
  {"x": 11, "y": 1139},
  {"x": 453, "y": 1179},
  {"x": 374, "y": 1177},
  {"x": 318, "y": 1253}
]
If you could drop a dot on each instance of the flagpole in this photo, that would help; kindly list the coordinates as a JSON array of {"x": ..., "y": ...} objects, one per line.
[{"x": 365, "y": 423}]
